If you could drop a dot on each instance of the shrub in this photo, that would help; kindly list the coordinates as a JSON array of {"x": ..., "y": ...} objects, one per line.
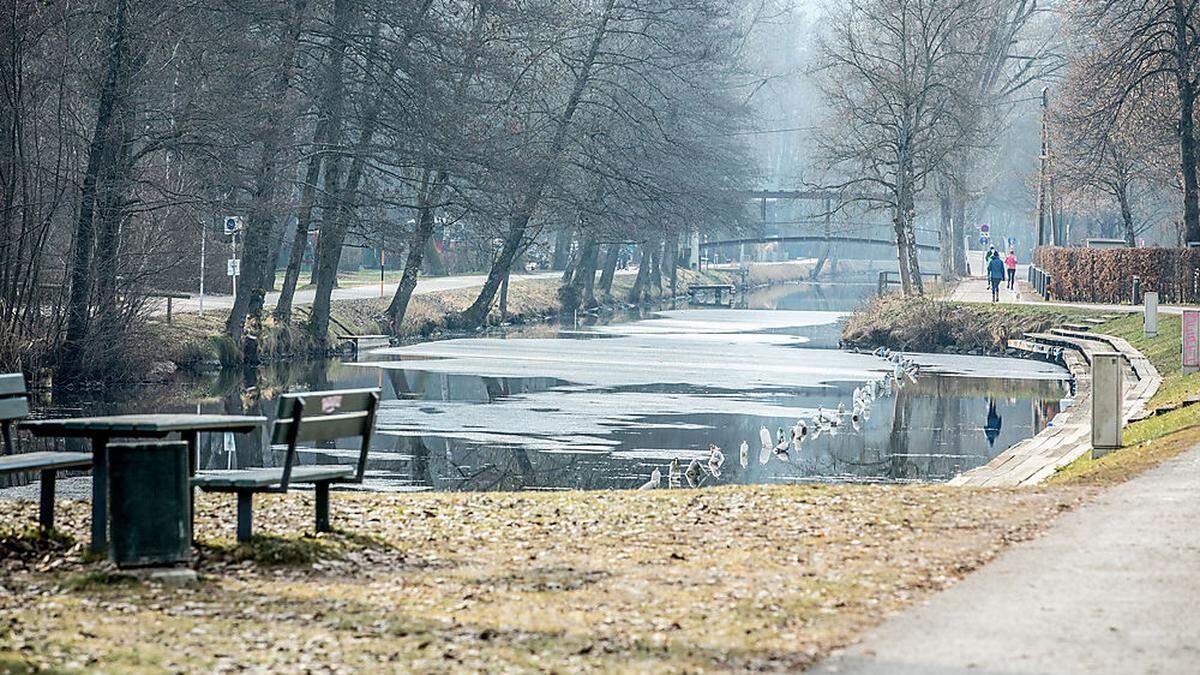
[{"x": 1106, "y": 275}]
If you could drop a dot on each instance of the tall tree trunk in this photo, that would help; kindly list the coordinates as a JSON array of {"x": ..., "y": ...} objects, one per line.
[
  {"x": 327, "y": 252},
  {"x": 260, "y": 225},
  {"x": 562, "y": 249},
  {"x": 958, "y": 224},
  {"x": 475, "y": 314},
  {"x": 101, "y": 153},
  {"x": 428, "y": 199},
  {"x": 1186, "y": 83},
  {"x": 343, "y": 197},
  {"x": 946, "y": 229},
  {"x": 582, "y": 278},
  {"x": 637, "y": 294},
  {"x": 589, "y": 277},
  {"x": 291, "y": 277},
  {"x": 611, "y": 254},
  {"x": 1128, "y": 232},
  {"x": 327, "y": 105}
]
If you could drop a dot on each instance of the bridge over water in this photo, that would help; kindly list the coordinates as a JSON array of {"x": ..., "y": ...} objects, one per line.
[{"x": 784, "y": 219}]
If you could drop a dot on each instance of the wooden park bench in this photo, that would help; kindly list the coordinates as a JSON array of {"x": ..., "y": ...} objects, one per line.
[
  {"x": 303, "y": 418},
  {"x": 14, "y": 406}
]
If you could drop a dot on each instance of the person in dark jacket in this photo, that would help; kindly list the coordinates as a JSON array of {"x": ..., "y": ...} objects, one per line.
[{"x": 995, "y": 268}]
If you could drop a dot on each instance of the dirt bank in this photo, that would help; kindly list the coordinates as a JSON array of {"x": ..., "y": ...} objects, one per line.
[{"x": 925, "y": 324}]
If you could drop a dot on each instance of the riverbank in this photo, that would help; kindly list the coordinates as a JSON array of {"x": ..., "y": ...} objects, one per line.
[
  {"x": 740, "y": 578},
  {"x": 934, "y": 325},
  {"x": 193, "y": 342}
]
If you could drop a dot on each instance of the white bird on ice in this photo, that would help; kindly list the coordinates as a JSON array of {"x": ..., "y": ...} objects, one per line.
[
  {"x": 715, "y": 459},
  {"x": 744, "y": 454},
  {"x": 764, "y": 454},
  {"x": 693, "y": 474},
  {"x": 655, "y": 479},
  {"x": 673, "y": 475}
]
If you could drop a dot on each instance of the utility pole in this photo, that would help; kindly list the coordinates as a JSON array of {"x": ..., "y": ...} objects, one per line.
[{"x": 1042, "y": 157}]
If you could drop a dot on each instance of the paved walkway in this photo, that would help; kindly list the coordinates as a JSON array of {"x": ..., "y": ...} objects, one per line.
[
  {"x": 1112, "y": 587},
  {"x": 304, "y": 296},
  {"x": 975, "y": 289}
]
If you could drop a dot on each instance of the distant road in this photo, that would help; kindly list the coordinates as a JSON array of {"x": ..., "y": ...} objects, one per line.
[
  {"x": 425, "y": 285},
  {"x": 305, "y": 296}
]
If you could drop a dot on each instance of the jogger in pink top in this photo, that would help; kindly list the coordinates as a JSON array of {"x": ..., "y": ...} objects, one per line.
[{"x": 1010, "y": 265}]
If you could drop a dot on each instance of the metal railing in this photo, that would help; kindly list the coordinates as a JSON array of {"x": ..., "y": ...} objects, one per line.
[{"x": 1040, "y": 280}]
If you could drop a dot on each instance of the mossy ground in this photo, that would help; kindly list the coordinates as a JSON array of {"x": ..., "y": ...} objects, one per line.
[{"x": 731, "y": 578}]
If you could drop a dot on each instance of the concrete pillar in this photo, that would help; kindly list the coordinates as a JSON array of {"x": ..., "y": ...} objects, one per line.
[
  {"x": 1150, "y": 322},
  {"x": 695, "y": 257},
  {"x": 1108, "y": 403}
]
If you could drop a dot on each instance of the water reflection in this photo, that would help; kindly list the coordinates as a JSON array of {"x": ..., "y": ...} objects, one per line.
[{"x": 546, "y": 409}]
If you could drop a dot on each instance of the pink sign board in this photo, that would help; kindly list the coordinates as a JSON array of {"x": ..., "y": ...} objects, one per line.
[{"x": 1191, "y": 339}]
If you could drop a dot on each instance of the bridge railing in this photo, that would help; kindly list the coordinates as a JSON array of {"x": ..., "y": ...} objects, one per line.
[{"x": 885, "y": 280}]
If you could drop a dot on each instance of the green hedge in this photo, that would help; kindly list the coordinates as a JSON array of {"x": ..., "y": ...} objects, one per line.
[{"x": 1106, "y": 275}]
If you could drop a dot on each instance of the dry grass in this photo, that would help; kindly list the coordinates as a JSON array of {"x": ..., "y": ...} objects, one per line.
[
  {"x": 1126, "y": 463},
  {"x": 674, "y": 581},
  {"x": 921, "y": 323}
]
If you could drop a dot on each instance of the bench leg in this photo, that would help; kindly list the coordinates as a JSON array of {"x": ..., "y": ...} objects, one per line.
[
  {"x": 46, "y": 507},
  {"x": 323, "y": 507},
  {"x": 245, "y": 507},
  {"x": 99, "y": 496}
]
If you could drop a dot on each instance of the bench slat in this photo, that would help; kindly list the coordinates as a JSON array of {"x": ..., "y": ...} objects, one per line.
[
  {"x": 263, "y": 478},
  {"x": 35, "y": 461},
  {"x": 327, "y": 428},
  {"x": 12, "y": 383},
  {"x": 14, "y": 408},
  {"x": 321, "y": 403}
]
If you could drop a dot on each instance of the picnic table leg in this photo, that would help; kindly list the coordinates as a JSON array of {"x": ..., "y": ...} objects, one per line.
[
  {"x": 322, "y": 490},
  {"x": 193, "y": 450},
  {"x": 46, "y": 505},
  {"x": 99, "y": 495},
  {"x": 245, "y": 508}
]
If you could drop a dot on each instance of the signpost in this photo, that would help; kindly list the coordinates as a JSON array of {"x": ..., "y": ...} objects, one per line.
[
  {"x": 233, "y": 267},
  {"x": 1191, "y": 340}
]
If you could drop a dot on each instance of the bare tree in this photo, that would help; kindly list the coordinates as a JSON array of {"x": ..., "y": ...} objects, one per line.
[{"x": 893, "y": 74}]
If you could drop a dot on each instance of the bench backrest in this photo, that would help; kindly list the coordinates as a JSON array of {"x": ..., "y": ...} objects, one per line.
[
  {"x": 14, "y": 405},
  {"x": 325, "y": 416}
]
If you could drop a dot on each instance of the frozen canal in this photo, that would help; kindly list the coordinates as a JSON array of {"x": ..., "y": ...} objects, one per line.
[{"x": 553, "y": 407}]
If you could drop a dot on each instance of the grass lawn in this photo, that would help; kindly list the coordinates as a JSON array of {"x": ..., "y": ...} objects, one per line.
[
  {"x": 1143, "y": 448},
  {"x": 740, "y": 578}
]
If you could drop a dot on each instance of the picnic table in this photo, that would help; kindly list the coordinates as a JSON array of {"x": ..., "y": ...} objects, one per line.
[{"x": 103, "y": 429}]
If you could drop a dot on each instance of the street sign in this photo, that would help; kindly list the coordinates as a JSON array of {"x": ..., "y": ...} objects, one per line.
[
  {"x": 985, "y": 228},
  {"x": 984, "y": 240},
  {"x": 233, "y": 267},
  {"x": 233, "y": 225}
]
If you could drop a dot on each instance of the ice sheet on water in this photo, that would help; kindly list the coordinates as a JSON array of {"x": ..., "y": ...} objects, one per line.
[
  {"x": 990, "y": 366},
  {"x": 639, "y": 360},
  {"x": 696, "y": 322}
]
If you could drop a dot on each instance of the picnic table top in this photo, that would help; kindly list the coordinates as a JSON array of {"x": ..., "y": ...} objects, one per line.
[{"x": 152, "y": 424}]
